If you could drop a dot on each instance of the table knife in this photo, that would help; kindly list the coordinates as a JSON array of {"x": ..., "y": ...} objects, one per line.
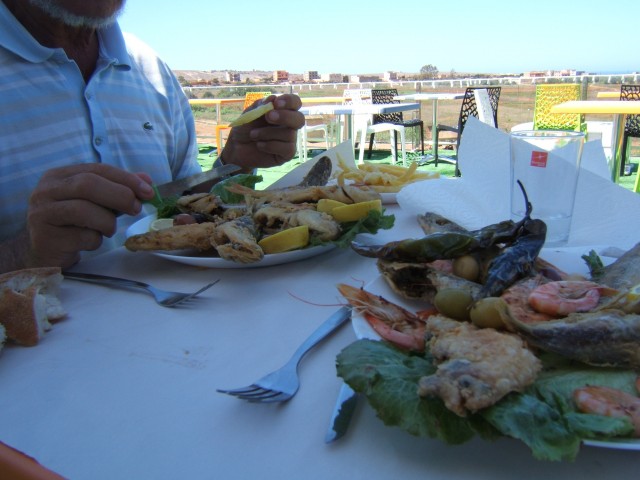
[
  {"x": 342, "y": 413},
  {"x": 177, "y": 187}
]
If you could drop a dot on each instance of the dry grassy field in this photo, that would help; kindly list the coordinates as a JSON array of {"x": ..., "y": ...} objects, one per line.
[{"x": 516, "y": 106}]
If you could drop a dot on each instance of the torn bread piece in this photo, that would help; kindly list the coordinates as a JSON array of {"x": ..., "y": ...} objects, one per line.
[{"x": 29, "y": 302}]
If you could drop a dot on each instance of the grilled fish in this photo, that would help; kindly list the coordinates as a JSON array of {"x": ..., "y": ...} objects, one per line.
[
  {"x": 600, "y": 338},
  {"x": 319, "y": 174},
  {"x": 624, "y": 273}
]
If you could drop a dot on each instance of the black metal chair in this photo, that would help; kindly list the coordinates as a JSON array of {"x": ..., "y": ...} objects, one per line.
[
  {"x": 632, "y": 125},
  {"x": 475, "y": 103},
  {"x": 388, "y": 96}
]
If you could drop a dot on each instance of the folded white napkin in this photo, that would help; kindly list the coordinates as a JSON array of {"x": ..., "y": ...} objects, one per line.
[
  {"x": 604, "y": 214},
  {"x": 343, "y": 152}
]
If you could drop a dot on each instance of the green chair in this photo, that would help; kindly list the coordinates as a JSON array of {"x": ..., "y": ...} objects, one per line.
[
  {"x": 629, "y": 92},
  {"x": 548, "y": 95}
]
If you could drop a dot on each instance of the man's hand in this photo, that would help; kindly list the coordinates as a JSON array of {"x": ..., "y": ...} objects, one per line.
[
  {"x": 74, "y": 207},
  {"x": 268, "y": 141}
]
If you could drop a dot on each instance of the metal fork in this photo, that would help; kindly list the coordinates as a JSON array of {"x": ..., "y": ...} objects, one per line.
[
  {"x": 162, "y": 297},
  {"x": 283, "y": 383}
]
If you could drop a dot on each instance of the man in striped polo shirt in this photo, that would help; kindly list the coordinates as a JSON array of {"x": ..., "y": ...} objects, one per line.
[{"x": 89, "y": 118}]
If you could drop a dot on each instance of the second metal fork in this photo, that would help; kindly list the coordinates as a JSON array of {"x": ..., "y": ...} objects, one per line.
[
  {"x": 283, "y": 384},
  {"x": 162, "y": 297}
]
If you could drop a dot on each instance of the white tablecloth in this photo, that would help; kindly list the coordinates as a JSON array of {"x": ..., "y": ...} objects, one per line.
[{"x": 123, "y": 388}]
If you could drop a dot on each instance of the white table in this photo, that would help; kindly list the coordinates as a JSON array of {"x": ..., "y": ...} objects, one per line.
[
  {"x": 357, "y": 109},
  {"x": 434, "y": 98},
  {"x": 123, "y": 388}
]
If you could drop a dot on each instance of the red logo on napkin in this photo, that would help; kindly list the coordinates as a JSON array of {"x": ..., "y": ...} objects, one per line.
[{"x": 539, "y": 159}]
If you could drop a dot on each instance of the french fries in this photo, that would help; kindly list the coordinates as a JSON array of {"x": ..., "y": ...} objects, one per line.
[{"x": 382, "y": 178}]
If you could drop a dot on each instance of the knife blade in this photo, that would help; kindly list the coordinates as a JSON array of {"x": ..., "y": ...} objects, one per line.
[
  {"x": 342, "y": 413},
  {"x": 177, "y": 187}
]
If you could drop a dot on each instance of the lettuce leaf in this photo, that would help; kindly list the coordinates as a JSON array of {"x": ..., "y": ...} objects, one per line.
[
  {"x": 245, "y": 179},
  {"x": 543, "y": 416}
]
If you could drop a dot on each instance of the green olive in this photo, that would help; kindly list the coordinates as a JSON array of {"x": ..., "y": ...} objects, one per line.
[
  {"x": 466, "y": 267},
  {"x": 453, "y": 303},
  {"x": 486, "y": 313}
]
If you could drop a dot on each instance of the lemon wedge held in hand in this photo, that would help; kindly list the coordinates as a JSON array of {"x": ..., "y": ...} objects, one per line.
[
  {"x": 355, "y": 211},
  {"x": 161, "y": 224},
  {"x": 286, "y": 240}
]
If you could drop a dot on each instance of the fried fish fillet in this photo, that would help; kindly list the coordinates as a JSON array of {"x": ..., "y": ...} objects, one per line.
[
  {"x": 235, "y": 240},
  {"x": 476, "y": 367},
  {"x": 195, "y": 235}
]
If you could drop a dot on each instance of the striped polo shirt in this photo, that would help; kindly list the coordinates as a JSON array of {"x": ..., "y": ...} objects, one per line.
[{"x": 131, "y": 114}]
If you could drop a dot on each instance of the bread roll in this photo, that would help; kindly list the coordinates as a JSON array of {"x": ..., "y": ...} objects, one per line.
[{"x": 28, "y": 302}]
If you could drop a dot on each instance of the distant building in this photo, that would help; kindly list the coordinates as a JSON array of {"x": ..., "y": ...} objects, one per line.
[
  {"x": 553, "y": 73},
  {"x": 389, "y": 76},
  {"x": 231, "y": 76},
  {"x": 363, "y": 78},
  {"x": 311, "y": 76},
  {"x": 332, "y": 77},
  {"x": 280, "y": 76}
]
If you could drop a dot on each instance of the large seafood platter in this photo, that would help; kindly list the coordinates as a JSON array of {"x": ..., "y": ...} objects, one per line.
[{"x": 471, "y": 333}]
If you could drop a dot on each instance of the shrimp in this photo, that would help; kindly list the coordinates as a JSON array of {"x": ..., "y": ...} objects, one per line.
[
  {"x": 392, "y": 322},
  {"x": 609, "y": 402},
  {"x": 565, "y": 296}
]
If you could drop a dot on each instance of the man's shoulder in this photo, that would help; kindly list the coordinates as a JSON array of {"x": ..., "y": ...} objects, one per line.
[
  {"x": 145, "y": 58},
  {"x": 138, "y": 48}
]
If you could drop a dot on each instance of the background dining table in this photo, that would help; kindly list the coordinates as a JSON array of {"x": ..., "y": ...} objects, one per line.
[
  {"x": 618, "y": 109},
  {"x": 351, "y": 110},
  {"x": 124, "y": 388}
]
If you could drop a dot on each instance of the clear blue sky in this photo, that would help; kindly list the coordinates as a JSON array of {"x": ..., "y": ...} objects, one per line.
[{"x": 348, "y": 37}]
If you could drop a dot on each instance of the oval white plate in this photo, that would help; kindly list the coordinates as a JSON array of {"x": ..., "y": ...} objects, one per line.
[
  {"x": 388, "y": 198},
  {"x": 567, "y": 258},
  {"x": 204, "y": 260}
]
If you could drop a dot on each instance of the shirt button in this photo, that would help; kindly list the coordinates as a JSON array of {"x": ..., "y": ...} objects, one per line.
[{"x": 98, "y": 141}]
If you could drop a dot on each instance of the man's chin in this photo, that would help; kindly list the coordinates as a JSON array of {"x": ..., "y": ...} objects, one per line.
[{"x": 63, "y": 15}]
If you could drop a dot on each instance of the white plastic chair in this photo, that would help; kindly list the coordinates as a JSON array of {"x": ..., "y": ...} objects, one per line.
[
  {"x": 303, "y": 138},
  {"x": 360, "y": 122}
]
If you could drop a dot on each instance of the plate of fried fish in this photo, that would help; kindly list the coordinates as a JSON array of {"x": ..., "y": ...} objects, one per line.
[
  {"x": 549, "y": 359},
  {"x": 210, "y": 259}
]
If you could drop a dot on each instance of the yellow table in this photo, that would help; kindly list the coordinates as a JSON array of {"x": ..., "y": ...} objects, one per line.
[
  {"x": 619, "y": 110},
  {"x": 215, "y": 102},
  {"x": 615, "y": 95}
]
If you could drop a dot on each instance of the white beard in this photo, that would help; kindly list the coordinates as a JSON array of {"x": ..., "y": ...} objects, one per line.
[{"x": 51, "y": 8}]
